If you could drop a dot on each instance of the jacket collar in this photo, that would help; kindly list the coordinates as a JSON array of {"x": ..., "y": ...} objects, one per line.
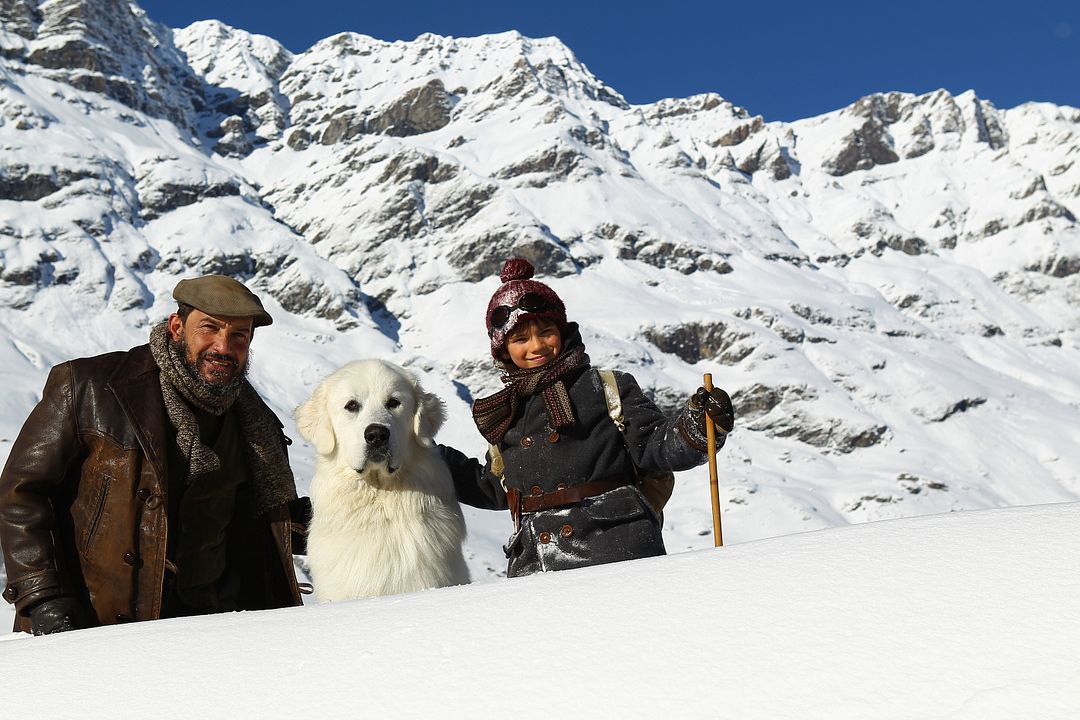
[{"x": 137, "y": 387}]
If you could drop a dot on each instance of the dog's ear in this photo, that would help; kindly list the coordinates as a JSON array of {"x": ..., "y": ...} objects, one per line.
[
  {"x": 430, "y": 416},
  {"x": 313, "y": 422}
]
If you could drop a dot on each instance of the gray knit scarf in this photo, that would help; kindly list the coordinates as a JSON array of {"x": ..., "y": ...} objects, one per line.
[{"x": 182, "y": 389}]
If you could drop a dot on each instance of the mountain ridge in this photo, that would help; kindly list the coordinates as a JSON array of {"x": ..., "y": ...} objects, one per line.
[{"x": 890, "y": 290}]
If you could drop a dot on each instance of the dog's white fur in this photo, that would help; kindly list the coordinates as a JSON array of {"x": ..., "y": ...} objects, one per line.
[{"x": 386, "y": 519}]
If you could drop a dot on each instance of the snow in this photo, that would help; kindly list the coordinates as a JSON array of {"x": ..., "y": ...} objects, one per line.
[{"x": 964, "y": 615}]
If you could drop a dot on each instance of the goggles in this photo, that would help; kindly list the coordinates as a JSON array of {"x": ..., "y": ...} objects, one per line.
[{"x": 529, "y": 302}]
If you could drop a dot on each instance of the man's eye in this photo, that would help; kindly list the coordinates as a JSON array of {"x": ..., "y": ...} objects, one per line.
[
  {"x": 393, "y": 403},
  {"x": 352, "y": 406}
]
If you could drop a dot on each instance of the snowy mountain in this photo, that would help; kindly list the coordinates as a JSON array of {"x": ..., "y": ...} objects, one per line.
[
  {"x": 891, "y": 291},
  {"x": 970, "y": 616}
]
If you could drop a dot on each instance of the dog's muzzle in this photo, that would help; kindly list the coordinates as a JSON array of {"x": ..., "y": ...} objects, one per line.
[{"x": 377, "y": 438}]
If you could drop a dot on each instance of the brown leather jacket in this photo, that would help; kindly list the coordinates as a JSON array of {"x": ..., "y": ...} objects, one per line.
[{"x": 83, "y": 499}]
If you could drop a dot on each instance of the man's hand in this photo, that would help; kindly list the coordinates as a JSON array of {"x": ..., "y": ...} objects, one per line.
[
  {"x": 58, "y": 614},
  {"x": 717, "y": 405}
]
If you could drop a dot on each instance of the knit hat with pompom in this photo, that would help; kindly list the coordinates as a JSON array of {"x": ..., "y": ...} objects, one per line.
[{"x": 520, "y": 298}]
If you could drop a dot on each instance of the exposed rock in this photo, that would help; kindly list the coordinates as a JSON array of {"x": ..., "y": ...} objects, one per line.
[
  {"x": 1058, "y": 266},
  {"x": 663, "y": 254},
  {"x": 235, "y": 141},
  {"x": 161, "y": 198},
  {"x": 830, "y": 434},
  {"x": 769, "y": 156},
  {"x": 943, "y": 414},
  {"x": 484, "y": 256},
  {"x": 862, "y": 149},
  {"x": 739, "y": 133},
  {"x": 693, "y": 342},
  {"x": 915, "y": 484},
  {"x": 107, "y": 47},
  {"x": 18, "y": 182},
  {"x": 420, "y": 110},
  {"x": 554, "y": 163},
  {"x": 298, "y": 139},
  {"x": 457, "y": 207},
  {"x": 989, "y": 126}
]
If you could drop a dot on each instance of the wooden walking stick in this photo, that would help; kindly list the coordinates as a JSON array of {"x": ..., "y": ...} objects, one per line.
[{"x": 714, "y": 487}]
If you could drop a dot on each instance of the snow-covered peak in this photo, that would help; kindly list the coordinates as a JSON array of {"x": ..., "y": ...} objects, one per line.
[
  {"x": 889, "y": 291},
  {"x": 107, "y": 46}
]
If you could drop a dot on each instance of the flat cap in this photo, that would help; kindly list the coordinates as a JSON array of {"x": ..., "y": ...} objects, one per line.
[{"x": 221, "y": 295}]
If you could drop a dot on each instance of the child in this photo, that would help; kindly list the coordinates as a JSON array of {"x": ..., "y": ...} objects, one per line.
[{"x": 569, "y": 477}]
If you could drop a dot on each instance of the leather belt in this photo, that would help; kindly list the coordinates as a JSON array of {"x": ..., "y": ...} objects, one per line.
[{"x": 538, "y": 500}]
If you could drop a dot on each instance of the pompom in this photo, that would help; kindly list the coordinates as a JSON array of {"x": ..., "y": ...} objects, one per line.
[{"x": 516, "y": 269}]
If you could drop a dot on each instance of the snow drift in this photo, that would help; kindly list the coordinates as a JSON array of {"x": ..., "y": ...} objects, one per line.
[{"x": 965, "y": 615}]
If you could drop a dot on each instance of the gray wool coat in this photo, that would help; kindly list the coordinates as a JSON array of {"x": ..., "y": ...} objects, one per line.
[{"x": 617, "y": 525}]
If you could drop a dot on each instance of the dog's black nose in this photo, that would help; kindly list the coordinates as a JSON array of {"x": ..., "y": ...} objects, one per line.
[{"x": 377, "y": 435}]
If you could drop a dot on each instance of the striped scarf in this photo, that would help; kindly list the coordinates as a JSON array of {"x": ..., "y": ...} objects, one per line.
[{"x": 495, "y": 414}]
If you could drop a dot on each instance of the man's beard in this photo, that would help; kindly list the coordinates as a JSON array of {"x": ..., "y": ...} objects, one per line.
[{"x": 220, "y": 389}]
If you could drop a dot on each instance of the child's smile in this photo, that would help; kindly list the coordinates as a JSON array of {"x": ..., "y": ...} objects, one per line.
[{"x": 533, "y": 343}]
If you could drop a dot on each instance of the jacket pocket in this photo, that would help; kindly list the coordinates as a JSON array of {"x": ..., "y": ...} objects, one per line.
[
  {"x": 97, "y": 509},
  {"x": 616, "y": 506}
]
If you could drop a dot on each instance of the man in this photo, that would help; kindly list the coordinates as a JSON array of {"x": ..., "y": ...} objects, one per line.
[{"x": 154, "y": 482}]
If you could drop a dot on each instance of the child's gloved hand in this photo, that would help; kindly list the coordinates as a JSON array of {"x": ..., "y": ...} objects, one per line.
[{"x": 716, "y": 404}]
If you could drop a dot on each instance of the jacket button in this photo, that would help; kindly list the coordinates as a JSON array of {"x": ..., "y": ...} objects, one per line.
[
  {"x": 132, "y": 559},
  {"x": 153, "y": 501},
  {"x": 11, "y": 593},
  {"x": 553, "y": 437},
  {"x": 566, "y": 531},
  {"x": 545, "y": 537},
  {"x": 143, "y": 494},
  {"x": 526, "y": 442},
  {"x": 536, "y": 491}
]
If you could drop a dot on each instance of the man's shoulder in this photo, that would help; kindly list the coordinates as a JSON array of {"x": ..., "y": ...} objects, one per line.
[{"x": 118, "y": 362}]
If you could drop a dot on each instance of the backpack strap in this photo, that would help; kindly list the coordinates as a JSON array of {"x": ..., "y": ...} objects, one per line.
[
  {"x": 613, "y": 398},
  {"x": 498, "y": 467}
]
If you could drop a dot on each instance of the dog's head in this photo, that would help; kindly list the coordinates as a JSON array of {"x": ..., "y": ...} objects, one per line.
[{"x": 367, "y": 415}]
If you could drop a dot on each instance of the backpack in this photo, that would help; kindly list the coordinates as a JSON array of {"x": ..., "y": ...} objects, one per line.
[{"x": 656, "y": 486}]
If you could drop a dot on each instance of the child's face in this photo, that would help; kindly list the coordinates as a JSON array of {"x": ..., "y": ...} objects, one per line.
[{"x": 533, "y": 343}]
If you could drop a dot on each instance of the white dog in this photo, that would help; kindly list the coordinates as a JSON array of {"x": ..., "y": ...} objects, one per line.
[{"x": 386, "y": 519}]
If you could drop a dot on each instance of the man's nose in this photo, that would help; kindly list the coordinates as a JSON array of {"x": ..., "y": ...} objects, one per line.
[{"x": 221, "y": 343}]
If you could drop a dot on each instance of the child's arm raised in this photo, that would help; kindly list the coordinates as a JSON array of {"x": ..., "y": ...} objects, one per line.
[{"x": 658, "y": 442}]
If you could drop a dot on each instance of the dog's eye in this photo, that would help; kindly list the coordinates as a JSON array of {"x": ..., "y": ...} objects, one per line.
[
  {"x": 393, "y": 403},
  {"x": 352, "y": 406}
]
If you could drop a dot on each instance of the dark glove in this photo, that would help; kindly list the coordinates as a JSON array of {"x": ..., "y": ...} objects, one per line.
[
  {"x": 716, "y": 404},
  {"x": 300, "y": 512},
  {"x": 58, "y": 614}
]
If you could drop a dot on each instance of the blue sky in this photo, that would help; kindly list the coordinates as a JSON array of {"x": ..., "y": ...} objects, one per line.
[{"x": 783, "y": 60}]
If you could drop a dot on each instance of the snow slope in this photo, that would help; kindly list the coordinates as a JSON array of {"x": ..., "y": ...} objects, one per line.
[{"x": 972, "y": 615}]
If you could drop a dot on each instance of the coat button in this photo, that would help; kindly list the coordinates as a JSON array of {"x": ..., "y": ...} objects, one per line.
[
  {"x": 132, "y": 559},
  {"x": 11, "y": 593},
  {"x": 153, "y": 501},
  {"x": 545, "y": 537},
  {"x": 526, "y": 442},
  {"x": 566, "y": 531},
  {"x": 536, "y": 491},
  {"x": 553, "y": 437},
  {"x": 143, "y": 494}
]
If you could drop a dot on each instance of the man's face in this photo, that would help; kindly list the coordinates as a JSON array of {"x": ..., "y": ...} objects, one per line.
[{"x": 216, "y": 345}]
